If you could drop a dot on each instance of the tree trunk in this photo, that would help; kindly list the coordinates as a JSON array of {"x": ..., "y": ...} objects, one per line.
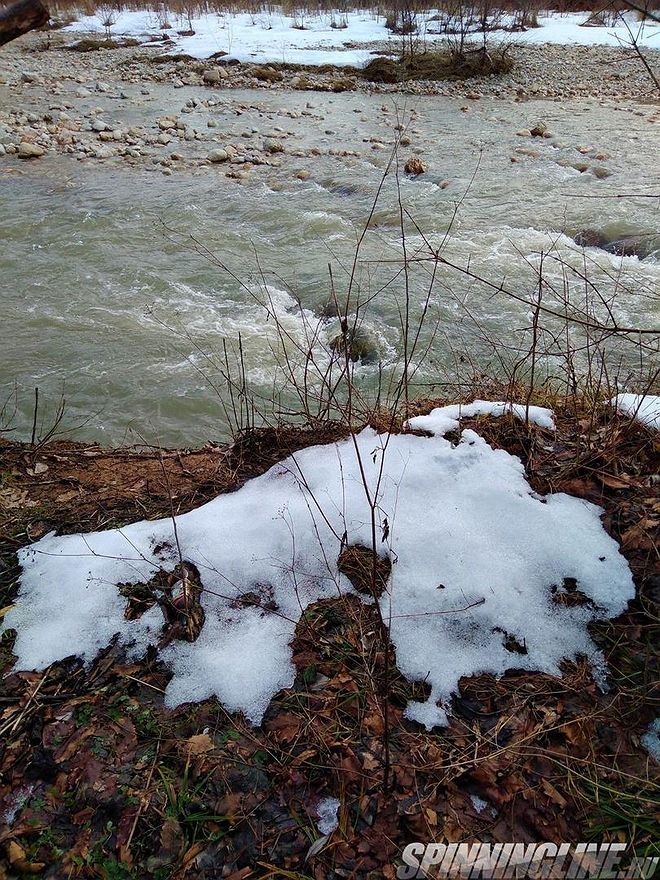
[{"x": 21, "y": 17}]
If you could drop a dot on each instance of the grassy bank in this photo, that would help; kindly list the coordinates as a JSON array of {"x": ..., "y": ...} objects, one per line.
[{"x": 103, "y": 781}]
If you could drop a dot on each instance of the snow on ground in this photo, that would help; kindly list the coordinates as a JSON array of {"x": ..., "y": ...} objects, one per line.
[
  {"x": 277, "y": 37},
  {"x": 327, "y": 812},
  {"x": 651, "y": 740},
  {"x": 446, "y": 418},
  {"x": 478, "y": 556},
  {"x": 643, "y": 407}
]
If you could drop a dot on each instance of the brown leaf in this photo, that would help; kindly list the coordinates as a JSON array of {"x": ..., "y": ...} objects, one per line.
[
  {"x": 200, "y": 744},
  {"x": 171, "y": 836},
  {"x": 18, "y": 860},
  {"x": 553, "y": 794},
  {"x": 614, "y": 482}
]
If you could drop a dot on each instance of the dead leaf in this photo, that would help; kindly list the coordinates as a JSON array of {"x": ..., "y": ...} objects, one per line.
[
  {"x": 18, "y": 860},
  {"x": 200, "y": 744},
  {"x": 317, "y": 846},
  {"x": 171, "y": 836},
  {"x": 39, "y": 467},
  {"x": 614, "y": 482},
  {"x": 553, "y": 794}
]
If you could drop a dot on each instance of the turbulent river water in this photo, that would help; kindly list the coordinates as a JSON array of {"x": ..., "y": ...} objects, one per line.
[{"x": 108, "y": 300}]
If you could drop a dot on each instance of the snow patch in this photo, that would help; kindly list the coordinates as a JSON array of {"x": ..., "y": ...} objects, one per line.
[
  {"x": 479, "y": 803},
  {"x": 446, "y": 418},
  {"x": 477, "y": 559},
  {"x": 645, "y": 408},
  {"x": 327, "y": 811},
  {"x": 651, "y": 740}
]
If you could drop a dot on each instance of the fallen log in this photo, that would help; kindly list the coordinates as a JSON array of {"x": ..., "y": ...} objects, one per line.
[{"x": 21, "y": 17}]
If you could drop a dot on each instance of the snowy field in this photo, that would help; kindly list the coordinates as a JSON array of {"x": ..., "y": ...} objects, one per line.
[
  {"x": 338, "y": 38},
  {"x": 480, "y": 562}
]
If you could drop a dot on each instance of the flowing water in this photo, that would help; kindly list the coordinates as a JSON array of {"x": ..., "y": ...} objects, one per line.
[{"x": 108, "y": 300}]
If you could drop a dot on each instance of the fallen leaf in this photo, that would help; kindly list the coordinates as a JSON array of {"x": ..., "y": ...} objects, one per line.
[
  {"x": 18, "y": 860},
  {"x": 200, "y": 744},
  {"x": 39, "y": 467}
]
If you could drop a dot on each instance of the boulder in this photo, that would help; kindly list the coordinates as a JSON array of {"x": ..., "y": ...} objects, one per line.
[
  {"x": 414, "y": 166},
  {"x": 214, "y": 75},
  {"x": 30, "y": 151}
]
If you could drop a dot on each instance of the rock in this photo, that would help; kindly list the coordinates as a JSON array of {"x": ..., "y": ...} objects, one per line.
[
  {"x": 473, "y": 96},
  {"x": 32, "y": 78},
  {"x": 214, "y": 75},
  {"x": 83, "y": 93},
  {"x": 600, "y": 172},
  {"x": 539, "y": 130},
  {"x": 359, "y": 345},
  {"x": 2, "y": 150},
  {"x": 30, "y": 151},
  {"x": 303, "y": 175},
  {"x": 414, "y": 166},
  {"x": 273, "y": 146},
  {"x": 524, "y": 133},
  {"x": 163, "y": 138},
  {"x": 167, "y": 122},
  {"x": 99, "y": 125},
  {"x": 218, "y": 155},
  {"x": 641, "y": 245},
  {"x": 102, "y": 86},
  {"x": 405, "y": 141}
]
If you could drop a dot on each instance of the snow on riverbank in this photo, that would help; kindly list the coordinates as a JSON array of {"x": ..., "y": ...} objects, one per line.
[
  {"x": 645, "y": 408},
  {"x": 336, "y": 38},
  {"x": 479, "y": 567}
]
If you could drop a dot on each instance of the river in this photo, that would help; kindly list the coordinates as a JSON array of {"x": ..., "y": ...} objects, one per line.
[{"x": 109, "y": 301}]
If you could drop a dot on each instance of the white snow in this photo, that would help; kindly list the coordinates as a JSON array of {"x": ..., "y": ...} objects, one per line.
[
  {"x": 274, "y": 36},
  {"x": 446, "y": 418},
  {"x": 651, "y": 740},
  {"x": 476, "y": 556},
  {"x": 643, "y": 407},
  {"x": 327, "y": 811},
  {"x": 479, "y": 803}
]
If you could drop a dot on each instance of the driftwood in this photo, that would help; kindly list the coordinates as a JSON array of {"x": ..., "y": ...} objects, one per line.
[{"x": 21, "y": 17}]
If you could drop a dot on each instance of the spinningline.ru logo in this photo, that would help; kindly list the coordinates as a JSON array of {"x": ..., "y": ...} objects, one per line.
[{"x": 514, "y": 861}]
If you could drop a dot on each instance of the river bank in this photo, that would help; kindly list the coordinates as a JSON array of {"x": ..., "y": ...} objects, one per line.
[
  {"x": 163, "y": 793},
  {"x": 49, "y": 85}
]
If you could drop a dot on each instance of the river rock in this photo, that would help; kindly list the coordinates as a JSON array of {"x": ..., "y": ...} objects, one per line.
[
  {"x": 30, "y": 151},
  {"x": 214, "y": 75},
  {"x": 273, "y": 146},
  {"x": 359, "y": 345},
  {"x": 218, "y": 155},
  {"x": 414, "y": 166},
  {"x": 539, "y": 129}
]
